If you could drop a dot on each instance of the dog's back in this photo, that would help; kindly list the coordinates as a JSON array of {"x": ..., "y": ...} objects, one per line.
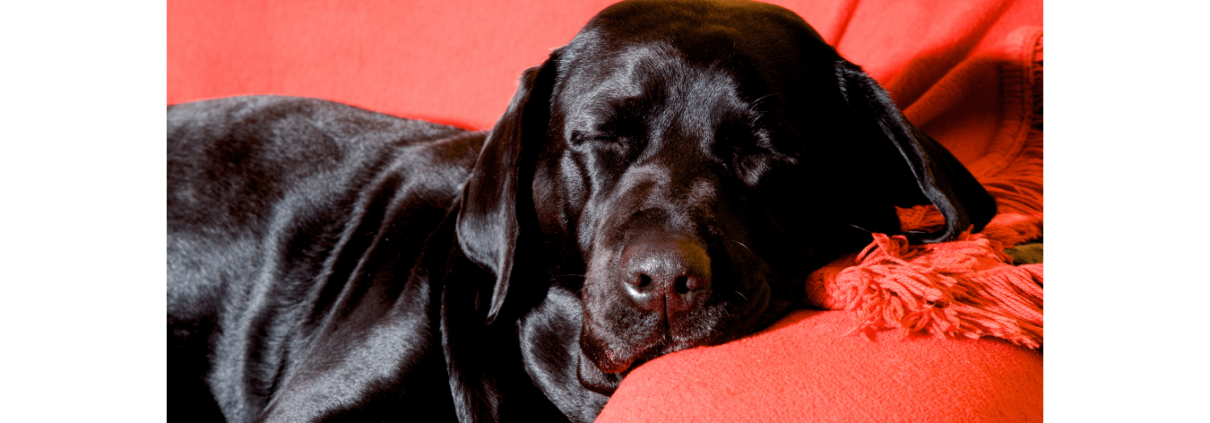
[{"x": 274, "y": 205}]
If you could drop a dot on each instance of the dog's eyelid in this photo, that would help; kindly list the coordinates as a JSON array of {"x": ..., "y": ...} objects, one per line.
[
  {"x": 745, "y": 146},
  {"x": 606, "y": 139},
  {"x": 581, "y": 137},
  {"x": 744, "y": 129}
]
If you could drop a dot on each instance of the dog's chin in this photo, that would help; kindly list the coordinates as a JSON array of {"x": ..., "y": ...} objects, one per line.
[
  {"x": 594, "y": 379},
  {"x": 604, "y": 378},
  {"x": 621, "y": 360},
  {"x": 605, "y": 373},
  {"x": 599, "y": 356},
  {"x": 605, "y": 358}
]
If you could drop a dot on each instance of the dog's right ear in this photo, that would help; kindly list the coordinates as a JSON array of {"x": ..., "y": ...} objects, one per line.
[
  {"x": 883, "y": 160},
  {"x": 495, "y": 200}
]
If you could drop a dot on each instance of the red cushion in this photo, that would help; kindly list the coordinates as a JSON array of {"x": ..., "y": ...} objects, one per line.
[{"x": 805, "y": 368}]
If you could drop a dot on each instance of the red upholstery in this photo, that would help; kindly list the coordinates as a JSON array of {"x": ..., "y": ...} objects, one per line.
[
  {"x": 458, "y": 62},
  {"x": 448, "y": 61},
  {"x": 806, "y": 369}
]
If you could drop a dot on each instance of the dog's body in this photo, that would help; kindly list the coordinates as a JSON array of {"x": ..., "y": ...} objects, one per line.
[{"x": 666, "y": 180}]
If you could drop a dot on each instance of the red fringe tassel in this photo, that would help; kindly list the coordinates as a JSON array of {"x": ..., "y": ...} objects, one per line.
[{"x": 966, "y": 287}]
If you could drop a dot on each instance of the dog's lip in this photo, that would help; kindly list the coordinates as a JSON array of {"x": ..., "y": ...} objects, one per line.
[
  {"x": 623, "y": 361},
  {"x": 635, "y": 364},
  {"x": 619, "y": 362},
  {"x": 624, "y": 366},
  {"x": 614, "y": 365}
]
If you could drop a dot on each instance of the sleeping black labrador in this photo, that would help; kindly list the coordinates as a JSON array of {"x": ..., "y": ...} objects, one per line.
[{"x": 664, "y": 181}]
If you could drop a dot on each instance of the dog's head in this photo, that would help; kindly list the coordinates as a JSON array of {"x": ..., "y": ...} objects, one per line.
[{"x": 684, "y": 166}]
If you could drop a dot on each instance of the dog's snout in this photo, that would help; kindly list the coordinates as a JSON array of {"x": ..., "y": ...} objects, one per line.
[{"x": 669, "y": 274}]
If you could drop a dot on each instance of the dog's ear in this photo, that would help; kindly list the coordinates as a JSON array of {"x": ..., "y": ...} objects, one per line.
[
  {"x": 883, "y": 160},
  {"x": 495, "y": 200}
]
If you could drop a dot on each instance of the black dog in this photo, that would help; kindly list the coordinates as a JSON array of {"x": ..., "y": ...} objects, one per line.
[{"x": 664, "y": 181}]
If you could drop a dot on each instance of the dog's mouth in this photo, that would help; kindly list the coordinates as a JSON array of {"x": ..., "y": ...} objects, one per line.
[
  {"x": 619, "y": 337},
  {"x": 608, "y": 355},
  {"x": 622, "y": 360}
]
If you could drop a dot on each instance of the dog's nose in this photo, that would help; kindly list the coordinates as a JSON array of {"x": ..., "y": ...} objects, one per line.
[{"x": 670, "y": 274}]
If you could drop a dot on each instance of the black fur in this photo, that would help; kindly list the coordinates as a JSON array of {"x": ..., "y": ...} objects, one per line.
[{"x": 666, "y": 180}]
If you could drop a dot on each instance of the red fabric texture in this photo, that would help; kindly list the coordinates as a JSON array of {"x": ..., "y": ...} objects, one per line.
[
  {"x": 965, "y": 71},
  {"x": 805, "y": 368},
  {"x": 447, "y": 61}
]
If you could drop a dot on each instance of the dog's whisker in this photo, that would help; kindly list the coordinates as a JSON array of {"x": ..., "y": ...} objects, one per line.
[
  {"x": 756, "y": 103},
  {"x": 566, "y": 276}
]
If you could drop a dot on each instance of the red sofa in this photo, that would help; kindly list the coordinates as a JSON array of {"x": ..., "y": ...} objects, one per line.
[{"x": 967, "y": 72}]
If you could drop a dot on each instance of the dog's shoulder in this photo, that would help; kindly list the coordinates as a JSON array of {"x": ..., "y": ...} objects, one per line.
[
  {"x": 248, "y": 176},
  {"x": 248, "y": 155}
]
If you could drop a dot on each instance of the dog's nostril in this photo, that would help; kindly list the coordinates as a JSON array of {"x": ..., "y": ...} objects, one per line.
[
  {"x": 682, "y": 285},
  {"x": 685, "y": 284},
  {"x": 644, "y": 280}
]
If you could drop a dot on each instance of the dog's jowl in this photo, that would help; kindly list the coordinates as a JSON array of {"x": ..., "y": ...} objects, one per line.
[{"x": 664, "y": 181}]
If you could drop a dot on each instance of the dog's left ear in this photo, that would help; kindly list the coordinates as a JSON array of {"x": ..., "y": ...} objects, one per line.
[
  {"x": 884, "y": 161},
  {"x": 495, "y": 200}
]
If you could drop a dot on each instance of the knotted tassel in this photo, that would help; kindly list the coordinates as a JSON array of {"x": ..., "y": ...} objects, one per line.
[{"x": 967, "y": 287}]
